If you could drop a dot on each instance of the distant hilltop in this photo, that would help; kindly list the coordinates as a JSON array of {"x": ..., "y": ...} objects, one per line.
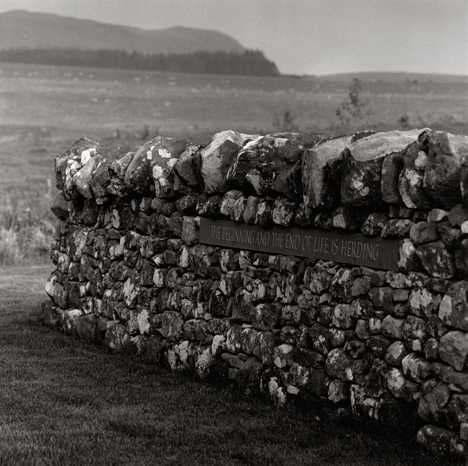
[
  {"x": 50, "y": 39},
  {"x": 27, "y": 30}
]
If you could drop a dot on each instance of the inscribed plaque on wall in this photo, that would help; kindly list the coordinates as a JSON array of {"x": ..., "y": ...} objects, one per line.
[{"x": 334, "y": 245}]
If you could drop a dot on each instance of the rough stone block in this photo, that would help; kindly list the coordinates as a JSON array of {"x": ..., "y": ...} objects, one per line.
[
  {"x": 461, "y": 259},
  {"x": 343, "y": 316},
  {"x": 395, "y": 354},
  {"x": 457, "y": 411},
  {"x": 411, "y": 182},
  {"x": 415, "y": 333},
  {"x": 453, "y": 349},
  {"x": 171, "y": 325},
  {"x": 378, "y": 345},
  {"x": 60, "y": 206},
  {"x": 151, "y": 169},
  {"x": 264, "y": 215},
  {"x": 319, "y": 190},
  {"x": 338, "y": 391},
  {"x": 190, "y": 230},
  {"x": 453, "y": 309},
  {"x": 391, "y": 168},
  {"x": 308, "y": 358},
  {"x": 445, "y": 156},
  {"x": 362, "y": 404},
  {"x": 374, "y": 224},
  {"x": 248, "y": 376},
  {"x": 317, "y": 279},
  {"x": 267, "y": 316},
  {"x": 434, "y": 398},
  {"x": 423, "y": 303},
  {"x": 117, "y": 337},
  {"x": 217, "y": 157},
  {"x": 188, "y": 166},
  {"x": 382, "y": 298},
  {"x": 100, "y": 178},
  {"x": 266, "y": 342},
  {"x": 437, "y": 260},
  {"x": 271, "y": 162},
  {"x": 283, "y": 211},
  {"x": 362, "y": 166},
  {"x": 400, "y": 387},
  {"x": 392, "y": 328},
  {"x": 194, "y": 329},
  {"x": 441, "y": 440},
  {"x": 423, "y": 232},
  {"x": 320, "y": 337},
  {"x": 397, "y": 227},
  {"x": 408, "y": 260},
  {"x": 341, "y": 366},
  {"x": 282, "y": 356},
  {"x": 243, "y": 308}
]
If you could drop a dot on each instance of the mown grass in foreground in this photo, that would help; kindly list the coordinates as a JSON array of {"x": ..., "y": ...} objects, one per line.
[{"x": 67, "y": 403}]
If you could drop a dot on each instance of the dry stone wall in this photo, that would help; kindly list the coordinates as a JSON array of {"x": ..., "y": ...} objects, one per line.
[{"x": 170, "y": 251}]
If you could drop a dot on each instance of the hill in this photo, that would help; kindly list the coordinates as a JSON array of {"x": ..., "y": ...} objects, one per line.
[{"x": 26, "y": 30}]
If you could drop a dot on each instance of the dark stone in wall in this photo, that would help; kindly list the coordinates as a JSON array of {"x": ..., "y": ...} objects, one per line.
[
  {"x": 100, "y": 175},
  {"x": 461, "y": 259},
  {"x": 391, "y": 168},
  {"x": 321, "y": 178},
  {"x": 411, "y": 184},
  {"x": 188, "y": 166},
  {"x": 445, "y": 156},
  {"x": 72, "y": 158},
  {"x": 362, "y": 166},
  {"x": 437, "y": 260},
  {"x": 258, "y": 165},
  {"x": 150, "y": 169}
]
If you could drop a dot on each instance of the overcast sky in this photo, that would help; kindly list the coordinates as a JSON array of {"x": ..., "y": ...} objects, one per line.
[{"x": 305, "y": 36}]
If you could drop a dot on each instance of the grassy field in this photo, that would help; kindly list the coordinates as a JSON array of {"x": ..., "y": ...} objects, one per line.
[{"x": 65, "y": 403}]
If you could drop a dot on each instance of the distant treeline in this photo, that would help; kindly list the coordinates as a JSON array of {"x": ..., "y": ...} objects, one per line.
[{"x": 249, "y": 63}]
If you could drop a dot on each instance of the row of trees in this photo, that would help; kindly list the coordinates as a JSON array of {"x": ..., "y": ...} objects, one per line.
[{"x": 249, "y": 63}]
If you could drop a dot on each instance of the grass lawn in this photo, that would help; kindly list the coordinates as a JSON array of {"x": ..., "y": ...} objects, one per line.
[{"x": 63, "y": 402}]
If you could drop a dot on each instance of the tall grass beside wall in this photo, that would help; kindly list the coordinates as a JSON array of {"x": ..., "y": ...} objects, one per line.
[{"x": 26, "y": 224}]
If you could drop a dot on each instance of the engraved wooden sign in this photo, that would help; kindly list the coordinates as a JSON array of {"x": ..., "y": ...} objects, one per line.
[{"x": 337, "y": 246}]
